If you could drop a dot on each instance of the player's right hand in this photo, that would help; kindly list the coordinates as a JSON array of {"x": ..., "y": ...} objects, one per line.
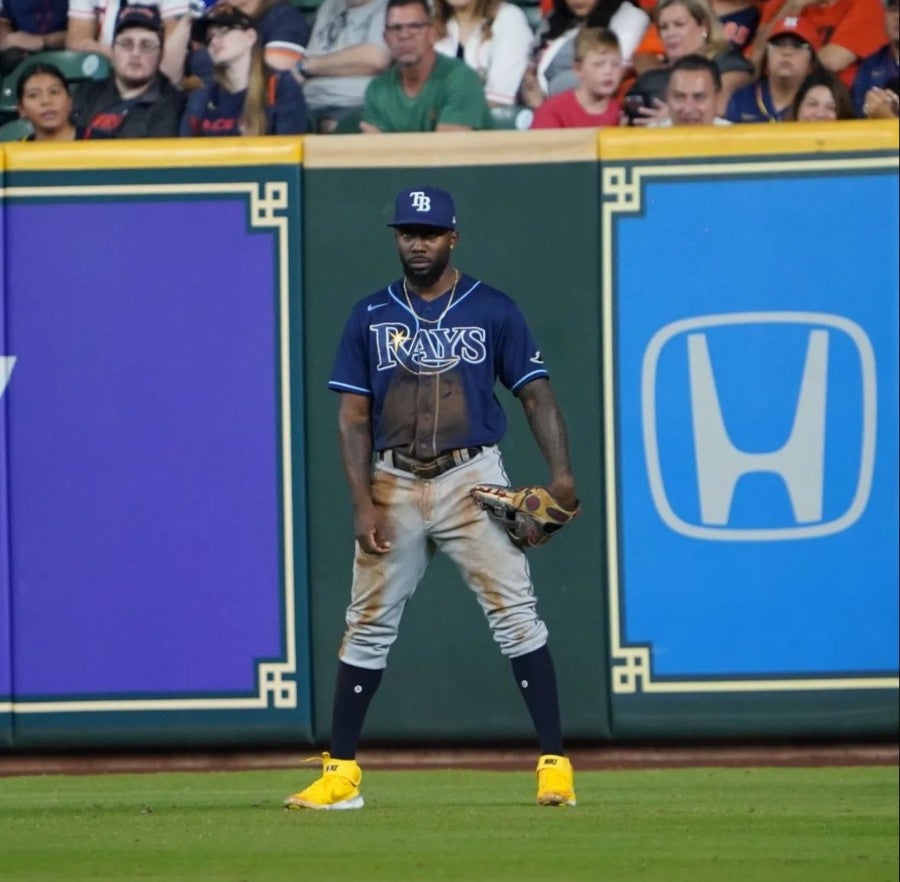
[{"x": 371, "y": 533}]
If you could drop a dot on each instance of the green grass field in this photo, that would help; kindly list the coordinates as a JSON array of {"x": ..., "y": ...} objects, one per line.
[{"x": 734, "y": 825}]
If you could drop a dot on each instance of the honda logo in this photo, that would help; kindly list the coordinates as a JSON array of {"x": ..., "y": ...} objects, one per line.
[{"x": 836, "y": 393}]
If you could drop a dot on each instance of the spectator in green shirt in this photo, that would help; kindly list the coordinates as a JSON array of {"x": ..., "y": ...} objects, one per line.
[{"x": 422, "y": 91}]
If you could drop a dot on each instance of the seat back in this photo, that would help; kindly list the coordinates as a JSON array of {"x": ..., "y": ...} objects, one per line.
[{"x": 15, "y": 130}]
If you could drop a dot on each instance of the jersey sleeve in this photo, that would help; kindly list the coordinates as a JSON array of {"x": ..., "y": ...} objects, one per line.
[
  {"x": 351, "y": 364},
  {"x": 290, "y": 111},
  {"x": 284, "y": 30},
  {"x": 193, "y": 113},
  {"x": 518, "y": 359},
  {"x": 82, "y": 10},
  {"x": 173, "y": 8},
  {"x": 375, "y": 33},
  {"x": 861, "y": 30}
]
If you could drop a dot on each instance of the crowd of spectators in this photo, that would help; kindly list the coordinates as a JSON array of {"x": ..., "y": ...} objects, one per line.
[{"x": 251, "y": 67}]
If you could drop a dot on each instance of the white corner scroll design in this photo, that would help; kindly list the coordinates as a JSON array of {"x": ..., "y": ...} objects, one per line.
[
  {"x": 631, "y": 668},
  {"x": 622, "y": 190},
  {"x": 277, "y": 691},
  {"x": 266, "y": 202}
]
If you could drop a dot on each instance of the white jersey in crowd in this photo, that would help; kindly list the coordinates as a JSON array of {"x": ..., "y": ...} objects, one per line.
[
  {"x": 339, "y": 25},
  {"x": 500, "y": 60},
  {"x": 105, "y": 11}
]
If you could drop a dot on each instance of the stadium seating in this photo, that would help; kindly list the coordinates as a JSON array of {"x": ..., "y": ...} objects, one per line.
[{"x": 74, "y": 66}]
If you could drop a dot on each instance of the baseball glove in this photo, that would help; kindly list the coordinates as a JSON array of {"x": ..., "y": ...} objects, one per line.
[{"x": 530, "y": 515}]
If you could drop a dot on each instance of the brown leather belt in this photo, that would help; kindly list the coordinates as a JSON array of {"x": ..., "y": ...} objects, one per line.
[{"x": 429, "y": 468}]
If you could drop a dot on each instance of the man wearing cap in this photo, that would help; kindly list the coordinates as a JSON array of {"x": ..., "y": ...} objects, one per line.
[
  {"x": 416, "y": 370},
  {"x": 880, "y": 69},
  {"x": 848, "y": 30},
  {"x": 422, "y": 91},
  {"x": 790, "y": 58},
  {"x": 92, "y": 23},
  {"x": 136, "y": 100}
]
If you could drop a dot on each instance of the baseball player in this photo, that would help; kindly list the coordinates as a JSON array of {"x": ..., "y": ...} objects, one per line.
[{"x": 416, "y": 370}]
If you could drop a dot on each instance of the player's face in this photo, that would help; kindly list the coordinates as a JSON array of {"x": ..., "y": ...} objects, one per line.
[
  {"x": 818, "y": 105},
  {"x": 600, "y": 71},
  {"x": 788, "y": 57},
  {"x": 45, "y": 104},
  {"x": 424, "y": 252},
  {"x": 680, "y": 32},
  {"x": 136, "y": 56},
  {"x": 408, "y": 33},
  {"x": 691, "y": 96}
]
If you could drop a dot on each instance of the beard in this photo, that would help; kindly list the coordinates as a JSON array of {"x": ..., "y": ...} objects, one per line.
[
  {"x": 426, "y": 275},
  {"x": 130, "y": 83}
]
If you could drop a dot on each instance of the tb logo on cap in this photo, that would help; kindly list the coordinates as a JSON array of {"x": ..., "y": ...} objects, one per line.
[{"x": 420, "y": 201}]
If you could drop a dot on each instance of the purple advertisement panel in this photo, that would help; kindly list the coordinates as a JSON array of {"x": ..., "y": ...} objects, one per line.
[
  {"x": 145, "y": 449},
  {"x": 7, "y": 365}
]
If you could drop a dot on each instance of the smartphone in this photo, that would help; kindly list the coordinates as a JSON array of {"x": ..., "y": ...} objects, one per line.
[{"x": 631, "y": 103}]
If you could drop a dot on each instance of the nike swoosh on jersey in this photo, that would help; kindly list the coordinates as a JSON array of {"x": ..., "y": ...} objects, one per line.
[
  {"x": 372, "y": 306},
  {"x": 536, "y": 358}
]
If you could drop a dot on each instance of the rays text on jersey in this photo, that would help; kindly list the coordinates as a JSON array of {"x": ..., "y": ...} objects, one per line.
[{"x": 429, "y": 350}]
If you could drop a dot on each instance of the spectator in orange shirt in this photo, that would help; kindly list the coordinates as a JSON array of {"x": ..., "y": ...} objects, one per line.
[{"x": 849, "y": 29}]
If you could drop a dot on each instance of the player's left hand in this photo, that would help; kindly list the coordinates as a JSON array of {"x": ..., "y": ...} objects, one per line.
[{"x": 530, "y": 515}]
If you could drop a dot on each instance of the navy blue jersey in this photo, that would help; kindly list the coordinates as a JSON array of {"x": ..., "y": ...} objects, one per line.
[
  {"x": 36, "y": 16},
  {"x": 875, "y": 71},
  {"x": 753, "y": 104},
  {"x": 740, "y": 27},
  {"x": 213, "y": 112},
  {"x": 430, "y": 367}
]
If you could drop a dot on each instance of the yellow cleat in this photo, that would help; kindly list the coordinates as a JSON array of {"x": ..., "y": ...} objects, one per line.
[
  {"x": 556, "y": 780},
  {"x": 337, "y": 789}
]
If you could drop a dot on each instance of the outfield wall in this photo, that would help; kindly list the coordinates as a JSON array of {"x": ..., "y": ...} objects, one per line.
[{"x": 720, "y": 317}]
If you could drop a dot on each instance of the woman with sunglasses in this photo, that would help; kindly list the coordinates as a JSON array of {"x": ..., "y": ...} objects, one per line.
[{"x": 246, "y": 98}]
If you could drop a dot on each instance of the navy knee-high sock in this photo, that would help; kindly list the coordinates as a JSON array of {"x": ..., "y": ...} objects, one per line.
[
  {"x": 353, "y": 692},
  {"x": 536, "y": 678}
]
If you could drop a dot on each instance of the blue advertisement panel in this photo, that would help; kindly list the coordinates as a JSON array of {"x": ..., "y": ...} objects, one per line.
[
  {"x": 753, "y": 424},
  {"x": 151, "y": 442}
]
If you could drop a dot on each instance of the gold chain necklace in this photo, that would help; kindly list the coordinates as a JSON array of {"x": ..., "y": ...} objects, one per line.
[{"x": 446, "y": 308}]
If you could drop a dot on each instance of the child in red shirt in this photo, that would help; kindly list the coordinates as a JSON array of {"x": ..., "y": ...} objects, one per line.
[{"x": 598, "y": 66}]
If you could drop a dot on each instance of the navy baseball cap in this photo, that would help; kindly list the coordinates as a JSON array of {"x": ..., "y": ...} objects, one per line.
[
  {"x": 138, "y": 16},
  {"x": 221, "y": 15},
  {"x": 424, "y": 207}
]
